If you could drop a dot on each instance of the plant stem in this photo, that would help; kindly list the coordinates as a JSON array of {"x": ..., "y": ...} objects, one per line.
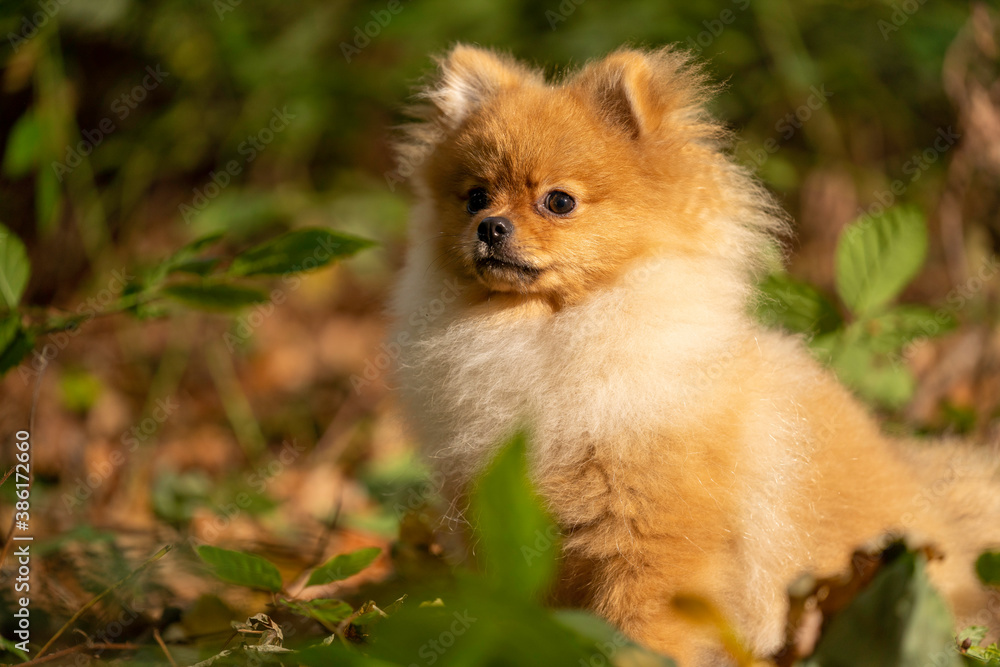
[
  {"x": 149, "y": 561},
  {"x": 73, "y": 321}
]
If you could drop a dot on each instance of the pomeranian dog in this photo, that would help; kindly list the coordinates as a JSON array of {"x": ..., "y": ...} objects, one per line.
[{"x": 583, "y": 256}]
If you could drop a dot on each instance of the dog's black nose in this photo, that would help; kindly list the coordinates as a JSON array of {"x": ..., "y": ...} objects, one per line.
[{"x": 494, "y": 229}]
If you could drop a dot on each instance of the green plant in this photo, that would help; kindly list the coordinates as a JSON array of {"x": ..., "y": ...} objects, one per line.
[
  {"x": 469, "y": 620},
  {"x": 191, "y": 277},
  {"x": 336, "y": 616},
  {"x": 864, "y": 337},
  {"x": 896, "y": 618}
]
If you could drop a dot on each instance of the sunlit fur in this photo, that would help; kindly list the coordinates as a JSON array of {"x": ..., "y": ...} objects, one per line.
[{"x": 682, "y": 448}]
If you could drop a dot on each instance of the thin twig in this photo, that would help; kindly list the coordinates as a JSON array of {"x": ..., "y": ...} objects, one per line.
[
  {"x": 73, "y": 321},
  {"x": 80, "y": 647},
  {"x": 155, "y": 557},
  {"x": 159, "y": 640},
  {"x": 328, "y": 529},
  {"x": 10, "y": 471}
]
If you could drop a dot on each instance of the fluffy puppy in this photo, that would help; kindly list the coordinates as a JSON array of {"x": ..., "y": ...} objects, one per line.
[{"x": 582, "y": 256}]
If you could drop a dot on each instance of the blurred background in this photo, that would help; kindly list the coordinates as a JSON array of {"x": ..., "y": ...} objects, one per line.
[{"x": 129, "y": 128}]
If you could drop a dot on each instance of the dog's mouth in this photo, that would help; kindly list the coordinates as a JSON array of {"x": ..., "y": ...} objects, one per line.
[{"x": 492, "y": 268}]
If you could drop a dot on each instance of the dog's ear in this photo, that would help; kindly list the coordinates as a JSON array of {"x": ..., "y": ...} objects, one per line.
[
  {"x": 637, "y": 92},
  {"x": 468, "y": 76}
]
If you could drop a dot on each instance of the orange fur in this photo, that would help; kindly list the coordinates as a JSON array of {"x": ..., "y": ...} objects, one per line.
[{"x": 681, "y": 448}]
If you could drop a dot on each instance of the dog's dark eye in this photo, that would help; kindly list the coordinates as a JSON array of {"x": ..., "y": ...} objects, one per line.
[
  {"x": 478, "y": 200},
  {"x": 559, "y": 202}
]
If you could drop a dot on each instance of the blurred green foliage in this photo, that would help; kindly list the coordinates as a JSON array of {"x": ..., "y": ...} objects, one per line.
[
  {"x": 152, "y": 100},
  {"x": 213, "y": 283},
  {"x": 127, "y": 124},
  {"x": 493, "y": 617},
  {"x": 876, "y": 258}
]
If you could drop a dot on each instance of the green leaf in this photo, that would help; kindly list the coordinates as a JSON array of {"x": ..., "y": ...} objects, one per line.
[
  {"x": 296, "y": 251},
  {"x": 877, "y": 256},
  {"x": 327, "y": 611},
  {"x": 214, "y": 295},
  {"x": 899, "y": 620},
  {"x": 176, "y": 496},
  {"x": 343, "y": 566},
  {"x": 15, "y": 343},
  {"x": 324, "y": 655},
  {"x": 796, "y": 306},
  {"x": 902, "y": 325},
  {"x": 79, "y": 390},
  {"x": 518, "y": 540},
  {"x": 143, "y": 310},
  {"x": 14, "y": 269},
  {"x": 608, "y": 641},
  {"x": 184, "y": 259},
  {"x": 480, "y": 627},
  {"x": 189, "y": 251},
  {"x": 988, "y": 568},
  {"x": 24, "y": 145},
  {"x": 974, "y": 633},
  {"x": 876, "y": 377},
  {"x": 6, "y": 645},
  {"x": 198, "y": 267},
  {"x": 241, "y": 568},
  {"x": 196, "y": 246}
]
